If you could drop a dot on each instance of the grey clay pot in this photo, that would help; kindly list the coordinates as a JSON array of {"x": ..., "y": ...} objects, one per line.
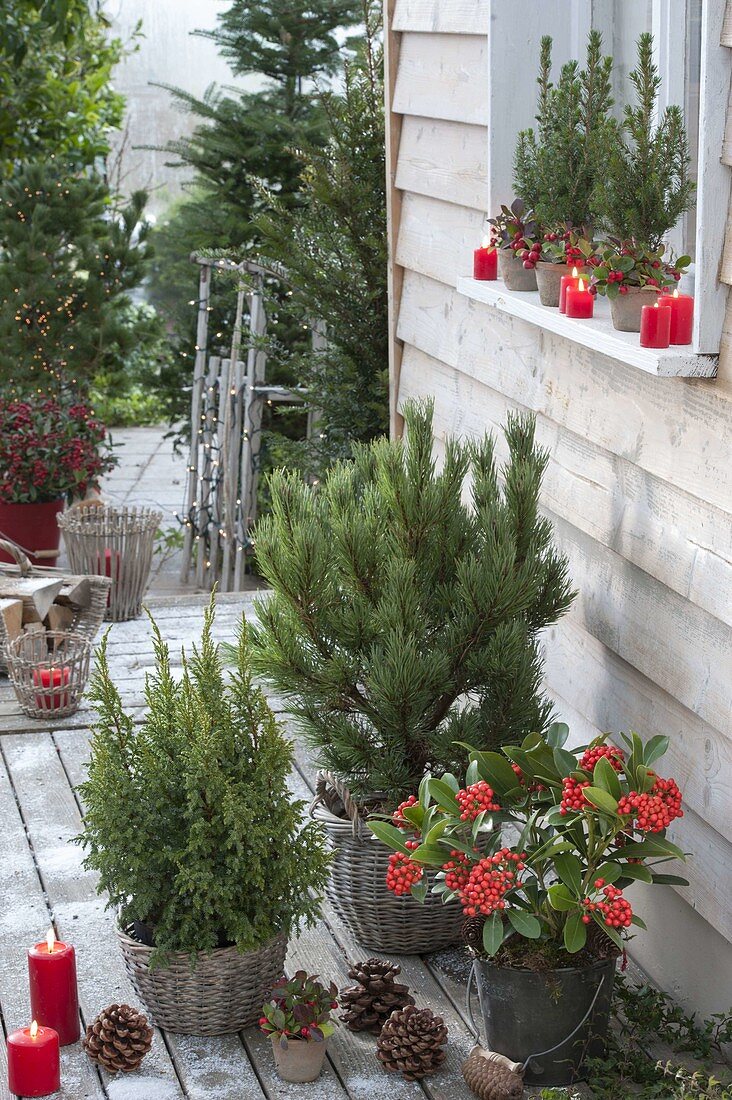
[
  {"x": 513, "y": 272},
  {"x": 301, "y": 1061}
]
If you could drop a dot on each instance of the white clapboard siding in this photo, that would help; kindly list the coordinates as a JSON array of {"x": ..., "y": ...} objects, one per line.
[
  {"x": 443, "y": 76},
  {"x": 445, "y": 16},
  {"x": 438, "y": 238},
  {"x": 607, "y": 497},
  {"x": 726, "y": 36},
  {"x": 445, "y": 160},
  {"x": 662, "y": 425}
]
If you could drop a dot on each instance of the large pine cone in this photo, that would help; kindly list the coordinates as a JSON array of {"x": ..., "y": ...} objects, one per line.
[
  {"x": 473, "y": 933},
  {"x": 491, "y": 1080},
  {"x": 369, "y": 1004},
  {"x": 118, "y": 1039},
  {"x": 412, "y": 1043}
]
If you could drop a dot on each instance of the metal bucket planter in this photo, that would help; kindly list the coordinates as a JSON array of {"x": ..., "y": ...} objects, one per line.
[
  {"x": 549, "y": 281},
  {"x": 513, "y": 272},
  {"x": 300, "y": 1060},
  {"x": 33, "y": 528},
  {"x": 553, "y": 1020},
  {"x": 221, "y": 994},
  {"x": 116, "y": 543},
  {"x": 357, "y": 889},
  {"x": 625, "y": 310}
]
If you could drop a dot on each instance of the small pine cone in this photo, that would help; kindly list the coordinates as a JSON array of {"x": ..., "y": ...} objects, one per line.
[
  {"x": 370, "y": 1003},
  {"x": 412, "y": 1043},
  {"x": 118, "y": 1039},
  {"x": 491, "y": 1080},
  {"x": 472, "y": 931}
]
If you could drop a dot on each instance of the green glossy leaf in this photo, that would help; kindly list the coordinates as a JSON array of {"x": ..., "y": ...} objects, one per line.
[
  {"x": 451, "y": 782},
  {"x": 526, "y": 924},
  {"x": 654, "y": 749},
  {"x": 653, "y": 845},
  {"x": 424, "y": 791},
  {"x": 557, "y": 734},
  {"x": 389, "y": 835},
  {"x": 575, "y": 933},
  {"x": 419, "y": 889},
  {"x": 669, "y": 880},
  {"x": 432, "y": 854},
  {"x": 569, "y": 870},
  {"x": 635, "y": 871},
  {"x": 561, "y": 898},
  {"x": 601, "y": 799},
  {"x": 444, "y": 796},
  {"x": 605, "y": 777},
  {"x": 639, "y": 922},
  {"x": 565, "y": 762},
  {"x": 644, "y": 778},
  {"x": 609, "y": 871},
  {"x": 496, "y": 770},
  {"x": 492, "y": 934}
]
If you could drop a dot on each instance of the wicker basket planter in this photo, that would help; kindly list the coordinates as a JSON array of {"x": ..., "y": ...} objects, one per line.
[
  {"x": 220, "y": 995},
  {"x": 357, "y": 891},
  {"x": 116, "y": 543},
  {"x": 49, "y": 671}
]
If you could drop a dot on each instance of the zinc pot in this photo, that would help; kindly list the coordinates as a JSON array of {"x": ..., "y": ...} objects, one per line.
[
  {"x": 300, "y": 1061},
  {"x": 217, "y": 993},
  {"x": 33, "y": 528},
  {"x": 626, "y": 308},
  {"x": 565, "y": 1013},
  {"x": 549, "y": 279},
  {"x": 513, "y": 272}
]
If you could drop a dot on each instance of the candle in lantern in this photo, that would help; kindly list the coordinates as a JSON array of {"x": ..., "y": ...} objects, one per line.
[
  {"x": 485, "y": 262},
  {"x": 567, "y": 281},
  {"x": 578, "y": 300},
  {"x": 655, "y": 326},
  {"x": 681, "y": 307},
  {"x": 53, "y": 678},
  {"x": 34, "y": 1066},
  {"x": 54, "y": 998}
]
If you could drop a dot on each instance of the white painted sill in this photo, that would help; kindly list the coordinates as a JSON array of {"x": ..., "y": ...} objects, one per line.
[{"x": 596, "y": 333}]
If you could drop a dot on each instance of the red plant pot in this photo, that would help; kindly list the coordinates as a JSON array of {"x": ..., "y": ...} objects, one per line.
[{"x": 33, "y": 527}]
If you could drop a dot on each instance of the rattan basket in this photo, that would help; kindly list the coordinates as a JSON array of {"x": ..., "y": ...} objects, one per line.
[
  {"x": 49, "y": 671},
  {"x": 116, "y": 543},
  {"x": 223, "y": 993},
  {"x": 357, "y": 888}
]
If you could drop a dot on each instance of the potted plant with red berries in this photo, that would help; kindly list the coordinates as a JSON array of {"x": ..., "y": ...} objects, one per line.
[
  {"x": 546, "y": 914},
  {"x": 563, "y": 251},
  {"x": 631, "y": 275},
  {"x": 297, "y": 1019},
  {"x": 52, "y": 449},
  {"x": 515, "y": 233}
]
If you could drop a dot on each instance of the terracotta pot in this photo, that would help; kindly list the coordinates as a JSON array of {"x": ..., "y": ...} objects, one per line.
[
  {"x": 549, "y": 280},
  {"x": 626, "y": 308},
  {"x": 513, "y": 272},
  {"x": 33, "y": 527},
  {"x": 300, "y": 1061}
]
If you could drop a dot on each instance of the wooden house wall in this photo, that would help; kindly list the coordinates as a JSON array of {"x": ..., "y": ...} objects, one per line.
[{"x": 639, "y": 484}]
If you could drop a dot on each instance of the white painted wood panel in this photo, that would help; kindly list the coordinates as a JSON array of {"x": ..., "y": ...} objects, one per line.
[
  {"x": 444, "y": 160},
  {"x": 444, "y": 16},
  {"x": 443, "y": 76},
  {"x": 437, "y": 238}
]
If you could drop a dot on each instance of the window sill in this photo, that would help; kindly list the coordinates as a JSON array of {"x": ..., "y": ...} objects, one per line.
[{"x": 597, "y": 333}]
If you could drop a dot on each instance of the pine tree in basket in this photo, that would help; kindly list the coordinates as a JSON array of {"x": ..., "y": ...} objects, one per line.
[{"x": 403, "y": 619}]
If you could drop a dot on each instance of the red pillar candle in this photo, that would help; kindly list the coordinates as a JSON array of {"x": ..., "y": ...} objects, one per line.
[
  {"x": 681, "y": 307},
  {"x": 54, "y": 999},
  {"x": 655, "y": 326},
  {"x": 485, "y": 262},
  {"x": 34, "y": 1065},
  {"x": 53, "y": 678},
  {"x": 567, "y": 281},
  {"x": 578, "y": 301}
]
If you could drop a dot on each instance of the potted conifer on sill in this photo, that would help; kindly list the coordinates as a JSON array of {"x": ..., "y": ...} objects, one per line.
[
  {"x": 189, "y": 823},
  {"x": 403, "y": 620}
]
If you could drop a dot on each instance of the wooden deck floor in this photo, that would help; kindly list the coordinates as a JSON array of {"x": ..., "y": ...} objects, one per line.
[{"x": 41, "y": 880}]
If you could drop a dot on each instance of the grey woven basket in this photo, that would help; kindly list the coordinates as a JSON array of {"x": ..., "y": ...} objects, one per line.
[
  {"x": 357, "y": 889},
  {"x": 223, "y": 993},
  {"x": 49, "y": 671},
  {"x": 113, "y": 542}
]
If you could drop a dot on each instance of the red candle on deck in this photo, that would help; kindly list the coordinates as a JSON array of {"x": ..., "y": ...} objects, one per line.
[
  {"x": 655, "y": 326},
  {"x": 681, "y": 307},
  {"x": 34, "y": 1067},
  {"x": 567, "y": 281},
  {"x": 52, "y": 678},
  {"x": 485, "y": 262},
  {"x": 54, "y": 999},
  {"x": 578, "y": 301}
]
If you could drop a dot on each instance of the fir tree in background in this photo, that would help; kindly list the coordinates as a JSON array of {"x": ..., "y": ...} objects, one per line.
[
  {"x": 403, "y": 620},
  {"x": 556, "y": 165},
  {"x": 333, "y": 248},
  {"x": 645, "y": 186}
]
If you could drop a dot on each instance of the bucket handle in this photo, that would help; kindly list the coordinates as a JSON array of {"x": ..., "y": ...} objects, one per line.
[
  {"x": 21, "y": 559},
  {"x": 537, "y": 1054}
]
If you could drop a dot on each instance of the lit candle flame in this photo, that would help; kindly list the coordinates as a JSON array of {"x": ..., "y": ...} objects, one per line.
[
  {"x": 676, "y": 293},
  {"x": 33, "y": 1030},
  {"x": 486, "y": 242},
  {"x": 580, "y": 285},
  {"x": 574, "y": 272},
  {"x": 50, "y": 940},
  {"x": 656, "y": 305}
]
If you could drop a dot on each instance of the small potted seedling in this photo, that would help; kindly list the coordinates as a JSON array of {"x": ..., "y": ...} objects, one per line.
[{"x": 297, "y": 1018}]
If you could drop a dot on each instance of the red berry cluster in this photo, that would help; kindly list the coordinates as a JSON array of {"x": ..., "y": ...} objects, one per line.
[
  {"x": 529, "y": 253},
  {"x": 489, "y": 880},
  {"x": 615, "y": 908},
  {"x": 403, "y": 872},
  {"x": 572, "y": 797},
  {"x": 538, "y": 787},
  {"x": 613, "y": 754},
  {"x": 398, "y": 817},
  {"x": 475, "y": 799},
  {"x": 655, "y": 810},
  {"x": 457, "y": 870}
]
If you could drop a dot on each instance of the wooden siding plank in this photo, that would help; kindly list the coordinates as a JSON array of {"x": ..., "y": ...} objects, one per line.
[
  {"x": 395, "y": 272},
  {"x": 726, "y": 35},
  {"x": 609, "y": 498},
  {"x": 443, "y": 16},
  {"x": 443, "y": 76},
  {"x": 437, "y": 239},
  {"x": 444, "y": 160}
]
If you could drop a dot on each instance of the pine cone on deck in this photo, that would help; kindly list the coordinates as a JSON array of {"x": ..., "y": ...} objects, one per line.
[
  {"x": 412, "y": 1043},
  {"x": 491, "y": 1080},
  {"x": 118, "y": 1039},
  {"x": 368, "y": 1005}
]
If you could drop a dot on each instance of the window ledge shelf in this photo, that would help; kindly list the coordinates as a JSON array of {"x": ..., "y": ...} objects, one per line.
[{"x": 596, "y": 333}]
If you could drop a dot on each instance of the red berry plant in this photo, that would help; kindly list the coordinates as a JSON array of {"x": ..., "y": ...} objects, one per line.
[
  {"x": 563, "y": 245},
  {"x": 300, "y": 1009},
  {"x": 515, "y": 229},
  {"x": 622, "y": 265},
  {"x": 50, "y": 447},
  {"x": 587, "y": 824}
]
